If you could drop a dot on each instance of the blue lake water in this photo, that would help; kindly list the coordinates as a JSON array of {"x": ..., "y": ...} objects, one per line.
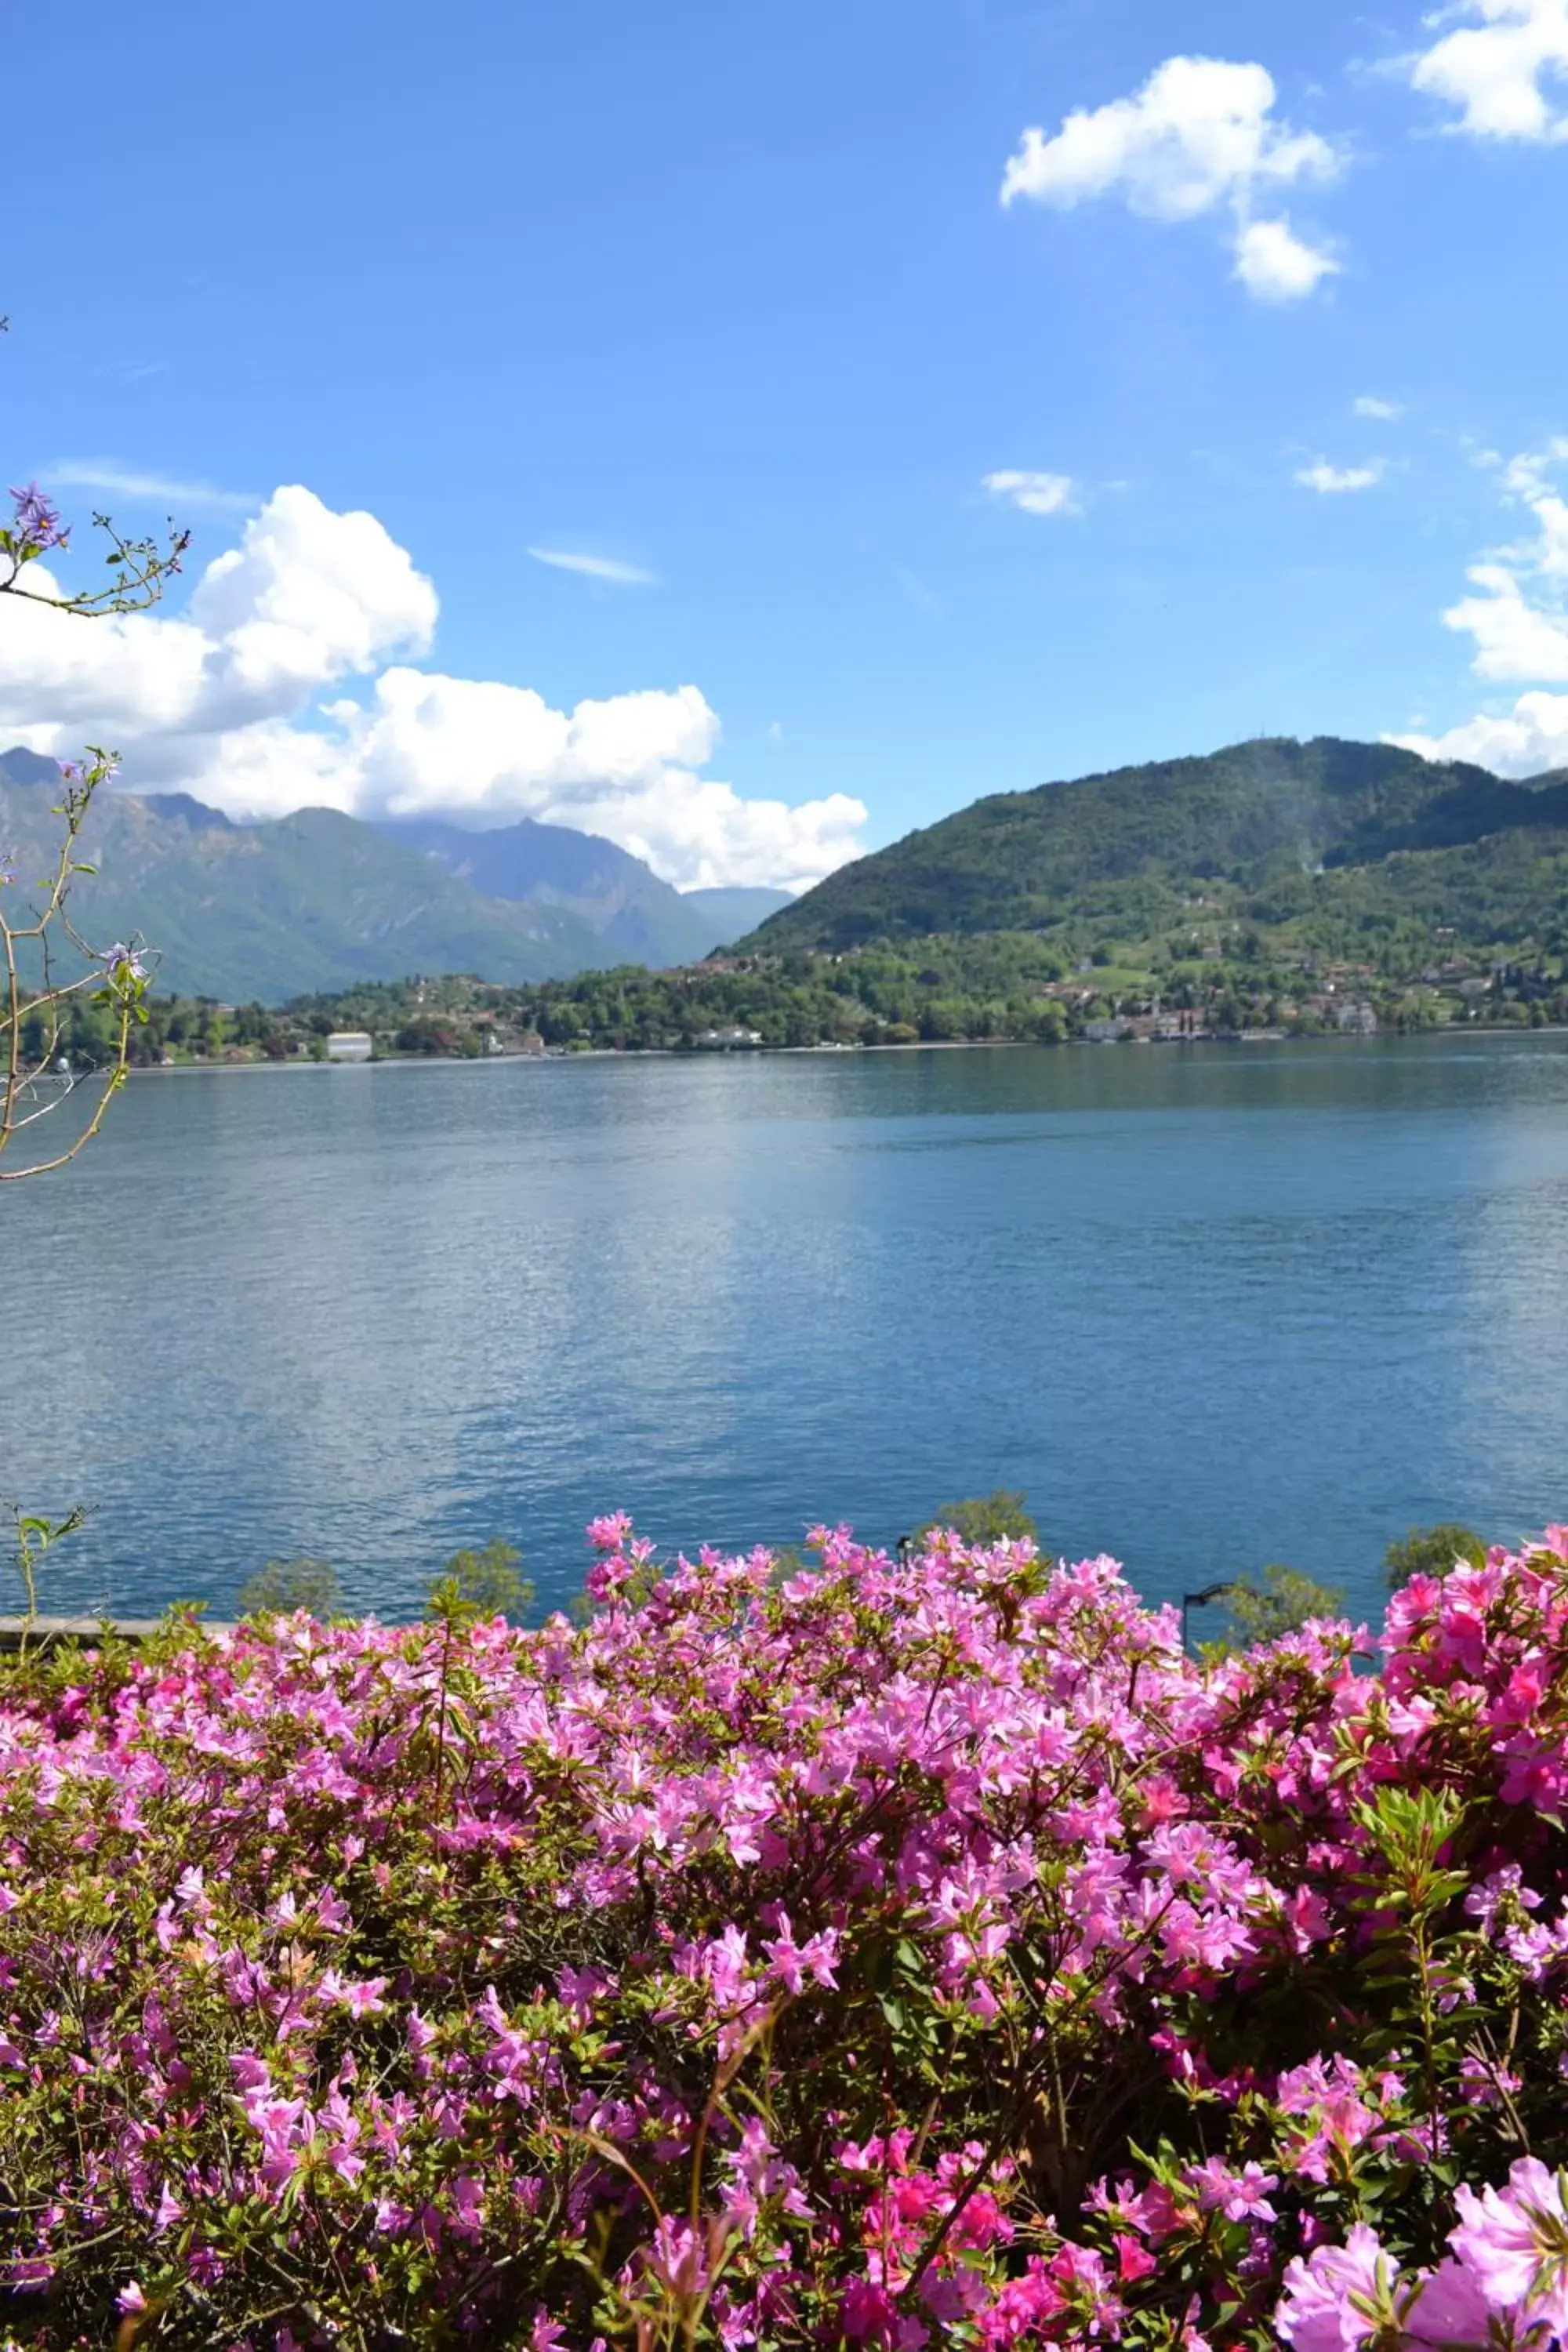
[{"x": 1210, "y": 1306}]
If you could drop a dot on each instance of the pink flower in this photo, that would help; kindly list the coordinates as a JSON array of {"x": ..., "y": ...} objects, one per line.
[
  {"x": 1514, "y": 2243},
  {"x": 1339, "y": 2297},
  {"x": 678, "y": 2258},
  {"x": 795, "y": 1962},
  {"x": 1448, "y": 2309},
  {"x": 1236, "y": 2195}
]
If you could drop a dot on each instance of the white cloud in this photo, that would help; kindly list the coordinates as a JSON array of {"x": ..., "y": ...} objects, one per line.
[
  {"x": 309, "y": 596},
  {"x": 1514, "y": 638},
  {"x": 1331, "y": 480},
  {"x": 596, "y": 567},
  {"x": 1533, "y": 735},
  {"x": 1199, "y": 136},
  {"x": 1518, "y": 619},
  {"x": 128, "y": 482},
  {"x": 1499, "y": 71},
  {"x": 1274, "y": 264},
  {"x": 227, "y": 701},
  {"x": 1383, "y": 412},
  {"x": 1197, "y": 133},
  {"x": 1036, "y": 494}
]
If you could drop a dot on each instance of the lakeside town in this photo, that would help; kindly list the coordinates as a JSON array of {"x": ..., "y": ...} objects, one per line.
[{"x": 843, "y": 1003}]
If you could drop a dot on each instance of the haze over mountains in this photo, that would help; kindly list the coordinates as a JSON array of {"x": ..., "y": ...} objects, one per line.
[
  {"x": 621, "y": 899},
  {"x": 320, "y": 900}
]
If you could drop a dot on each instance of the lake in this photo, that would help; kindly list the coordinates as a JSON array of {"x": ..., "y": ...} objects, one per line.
[{"x": 1210, "y": 1306}]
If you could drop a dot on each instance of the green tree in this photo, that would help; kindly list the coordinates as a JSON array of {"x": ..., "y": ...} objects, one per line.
[
  {"x": 1266, "y": 1608},
  {"x": 285, "y": 1585},
  {"x": 477, "y": 1584},
  {"x": 1432, "y": 1551},
  {"x": 981, "y": 1520}
]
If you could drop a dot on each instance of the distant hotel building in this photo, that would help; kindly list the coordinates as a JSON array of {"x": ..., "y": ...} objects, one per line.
[
  {"x": 726, "y": 1041},
  {"x": 348, "y": 1046}
]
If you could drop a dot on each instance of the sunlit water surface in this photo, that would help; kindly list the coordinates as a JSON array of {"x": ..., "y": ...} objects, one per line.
[{"x": 1209, "y": 1307}]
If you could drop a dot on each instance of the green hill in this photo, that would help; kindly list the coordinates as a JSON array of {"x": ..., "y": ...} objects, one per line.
[{"x": 1288, "y": 823}]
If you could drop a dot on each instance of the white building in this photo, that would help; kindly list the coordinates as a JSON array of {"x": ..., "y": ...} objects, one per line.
[
  {"x": 348, "y": 1046},
  {"x": 726, "y": 1041}
]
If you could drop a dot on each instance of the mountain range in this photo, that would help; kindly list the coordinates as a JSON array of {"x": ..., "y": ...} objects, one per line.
[
  {"x": 1276, "y": 830},
  {"x": 319, "y": 900},
  {"x": 1342, "y": 844}
]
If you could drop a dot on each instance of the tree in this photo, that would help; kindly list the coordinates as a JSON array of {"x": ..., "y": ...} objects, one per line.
[
  {"x": 285, "y": 1585},
  {"x": 1432, "y": 1551},
  {"x": 1266, "y": 1608},
  {"x": 40, "y": 1009},
  {"x": 39, "y": 1006},
  {"x": 983, "y": 1520},
  {"x": 479, "y": 1584}
]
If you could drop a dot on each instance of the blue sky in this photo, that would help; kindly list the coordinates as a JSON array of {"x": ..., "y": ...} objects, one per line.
[{"x": 727, "y": 297}]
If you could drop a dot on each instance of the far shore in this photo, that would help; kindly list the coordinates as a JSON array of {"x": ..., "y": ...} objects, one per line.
[{"x": 920, "y": 1045}]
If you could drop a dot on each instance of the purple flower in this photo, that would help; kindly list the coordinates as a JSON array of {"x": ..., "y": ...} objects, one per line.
[
  {"x": 124, "y": 964},
  {"x": 36, "y": 524},
  {"x": 1515, "y": 2242}
]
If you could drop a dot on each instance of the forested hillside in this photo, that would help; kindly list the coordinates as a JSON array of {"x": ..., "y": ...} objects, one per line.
[{"x": 1131, "y": 849}]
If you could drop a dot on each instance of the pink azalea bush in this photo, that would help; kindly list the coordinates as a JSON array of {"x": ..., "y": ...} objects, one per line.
[{"x": 877, "y": 1956}]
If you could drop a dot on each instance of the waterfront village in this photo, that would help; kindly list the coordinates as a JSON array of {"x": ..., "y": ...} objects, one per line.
[{"x": 940, "y": 993}]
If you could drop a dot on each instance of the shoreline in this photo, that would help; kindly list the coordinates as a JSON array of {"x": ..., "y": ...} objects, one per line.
[{"x": 771, "y": 1052}]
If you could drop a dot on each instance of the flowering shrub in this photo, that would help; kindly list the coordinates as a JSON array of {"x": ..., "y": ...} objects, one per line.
[{"x": 874, "y": 1956}]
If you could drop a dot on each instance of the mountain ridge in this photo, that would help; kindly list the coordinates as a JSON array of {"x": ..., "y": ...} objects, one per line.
[
  {"x": 319, "y": 899},
  {"x": 1247, "y": 814},
  {"x": 643, "y": 917}
]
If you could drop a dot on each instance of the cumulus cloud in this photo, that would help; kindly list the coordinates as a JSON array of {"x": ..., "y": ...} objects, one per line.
[
  {"x": 1382, "y": 412},
  {"x": 1517, "y": 617},
  {"x": 241, "y": 701},
  {"x": 309, "y": 596},
  {"x": 1036, "y": 493},
  {"x": 1334, "y": 479},
  {"x": 1520, "y": 619},
  {"x": 119, "y": 482},
  {"x": 1275, "y": 266},
  {"x": 1200, "y": 136},
  {"x": 1524, "y": 741},
  {"x": 596, "y": 567},
  {"x": 1502, "y": 70}
]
